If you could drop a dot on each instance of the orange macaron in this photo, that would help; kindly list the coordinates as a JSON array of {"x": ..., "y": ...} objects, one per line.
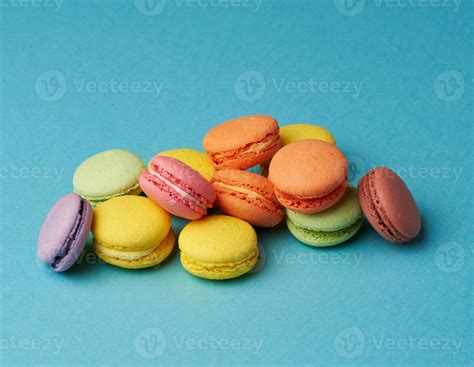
[
  {"x": 243, "y": 142},
  {"x": 247, "y": 196},
  {"x": 309, "y": 176}
]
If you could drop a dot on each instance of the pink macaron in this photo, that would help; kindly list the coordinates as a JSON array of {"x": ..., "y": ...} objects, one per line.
[{"x": 177, "y": 188}]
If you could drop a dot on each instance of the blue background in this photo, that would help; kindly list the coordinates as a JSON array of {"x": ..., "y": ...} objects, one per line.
[{"x": 305, "y": 306}]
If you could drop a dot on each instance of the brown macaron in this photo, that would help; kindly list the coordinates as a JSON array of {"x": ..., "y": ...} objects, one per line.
[{"x": 388, "y": 205}]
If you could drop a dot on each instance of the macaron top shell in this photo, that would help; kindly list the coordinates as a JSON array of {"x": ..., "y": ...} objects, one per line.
[
  {"x": 130, "y": 223},
  {"x": 184, "y": 176},
  {"x": 308, "y": 168},
  {"x": 218, "y": 239},
  {"x": 394, "y": 205},
  {"x": 106, "y": 174},
  {"x": 235, "y": 134},
  {"x": 198, "y": 161},
  {"x": 341, "y": 215},
  {"x": 68, "y": 221},
  {"x": 295, "y": 132}
]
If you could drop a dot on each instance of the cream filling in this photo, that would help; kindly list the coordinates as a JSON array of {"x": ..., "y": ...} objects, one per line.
[
  {"x": 258, "y": 146},
  {"x": 255, "y": 147},
  {"x": 252, "y": 195},
  {"x": 124, "y": 255},
  {"x": 178, "y": 189}
]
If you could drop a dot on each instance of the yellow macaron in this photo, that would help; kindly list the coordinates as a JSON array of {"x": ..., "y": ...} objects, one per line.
[
  {"x": 218, "y": 247},
  {"x": 132, "y": 232},
  {"x": 197, "y": 160},
  {"x": 295, "y": 132}
]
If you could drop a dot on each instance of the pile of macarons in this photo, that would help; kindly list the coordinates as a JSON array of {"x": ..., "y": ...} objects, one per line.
[{"x": 128, "y": 206}]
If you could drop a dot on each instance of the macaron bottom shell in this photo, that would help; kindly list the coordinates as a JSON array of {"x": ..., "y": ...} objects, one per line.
[
  {"x": 311, "y": 205},
  {"x": 159, "y": 254},
  {"x": 218, "y": 271},
  {"x": 321, "y": 238}
]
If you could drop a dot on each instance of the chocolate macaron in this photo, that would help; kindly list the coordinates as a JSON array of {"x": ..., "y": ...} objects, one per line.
[{"x": 388, "y": 205}]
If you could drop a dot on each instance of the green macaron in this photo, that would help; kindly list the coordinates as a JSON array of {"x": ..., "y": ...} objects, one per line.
[
  {"x": 330, "y": 227},
  {"x": 108, "y": 174}
]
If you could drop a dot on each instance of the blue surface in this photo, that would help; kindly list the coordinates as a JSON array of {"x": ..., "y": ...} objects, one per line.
[{"x": 398, "y": 92}]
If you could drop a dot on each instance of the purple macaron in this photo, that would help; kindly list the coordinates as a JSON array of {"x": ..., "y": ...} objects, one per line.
[{"x": 64, "y": 232}]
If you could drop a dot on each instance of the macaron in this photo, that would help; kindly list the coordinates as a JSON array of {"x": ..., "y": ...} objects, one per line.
[
  {"x": 177, "y": 188},
  {"x": 107, "y": 175},
  {"x": 309, "y": 176},
  {"x": 247, "y": 196},
  {"x": 197, "y": 160},
  {"x": 388, "y": 205},
  {"x": 218, "y": 247},
  {"x": 330, "y": 227},
  {"x": 64, "y": 232},
  {"x": 294, "y": 132},
  {"x": 132, "y": 232},
  {"x": 243, "y": 142}
]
